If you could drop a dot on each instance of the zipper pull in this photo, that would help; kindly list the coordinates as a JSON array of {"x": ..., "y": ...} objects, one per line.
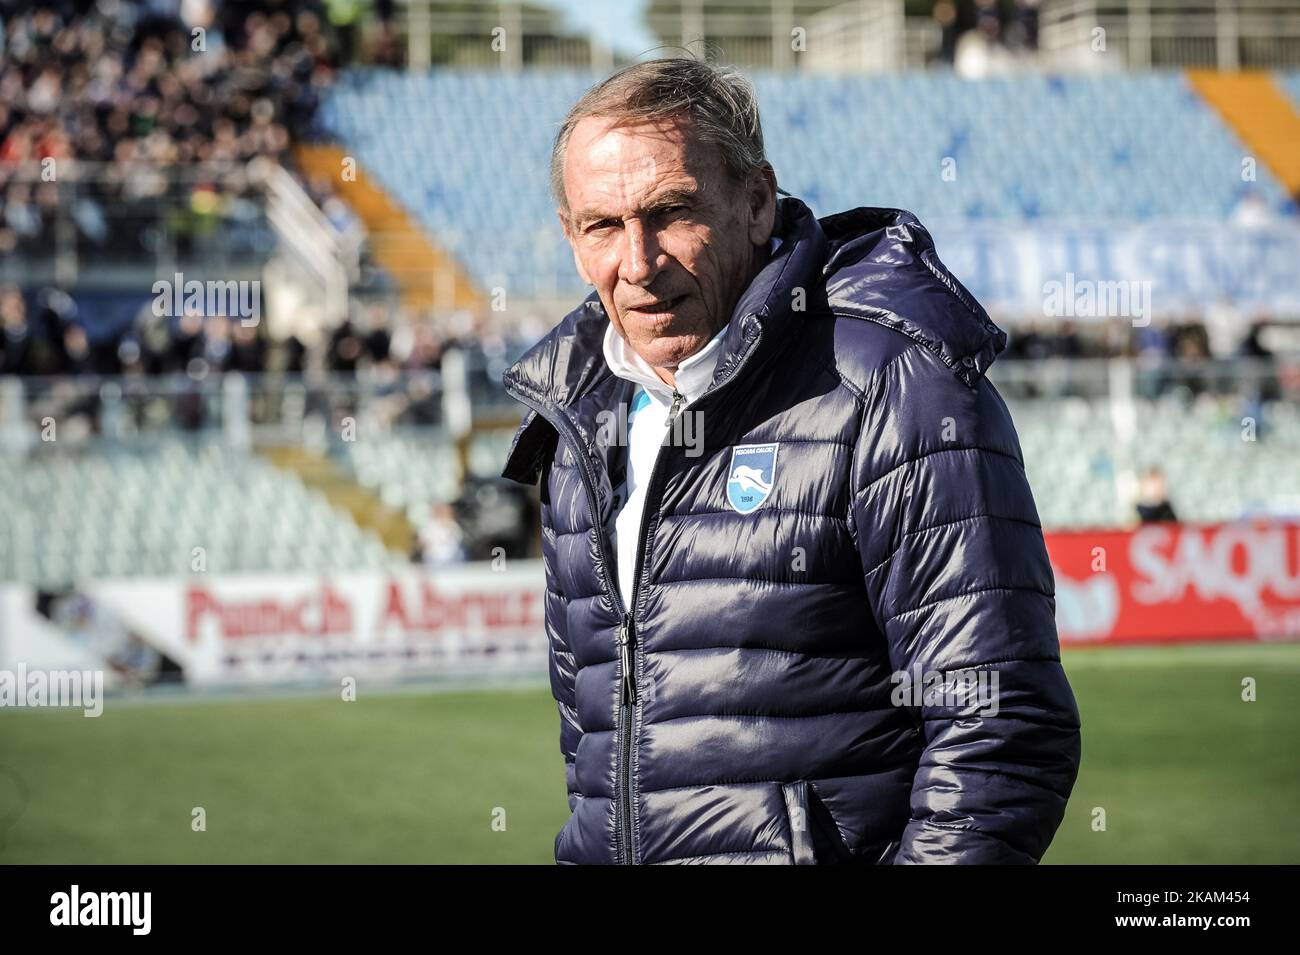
[
  {"x": 625, "y": 650},
  {"x": 678, "y": 398}
]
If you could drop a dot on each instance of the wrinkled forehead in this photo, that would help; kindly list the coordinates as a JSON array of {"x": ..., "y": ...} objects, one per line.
[{"x": 615, "y": 167}]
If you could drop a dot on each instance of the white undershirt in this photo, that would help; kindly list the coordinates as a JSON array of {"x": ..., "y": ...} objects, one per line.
[{"x": 647, "y": 427}]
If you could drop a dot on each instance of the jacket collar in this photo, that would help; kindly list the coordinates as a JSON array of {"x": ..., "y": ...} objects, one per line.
[{"x": 691, "y": 376}]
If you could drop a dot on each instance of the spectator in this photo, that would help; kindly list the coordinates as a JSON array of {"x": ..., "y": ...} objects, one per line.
[
  {"x": 440, "y": 541},
  {"x": 945, "y": 15},
  {"x": 346, "y": 348},
  {"x": 981, "y": 52},
  {"x": 1022, "y": 30},
  {"x": 1153, "y": 504}
]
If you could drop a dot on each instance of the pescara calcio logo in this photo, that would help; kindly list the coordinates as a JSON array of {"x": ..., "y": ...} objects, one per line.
[{"x": 753, "y": 472}]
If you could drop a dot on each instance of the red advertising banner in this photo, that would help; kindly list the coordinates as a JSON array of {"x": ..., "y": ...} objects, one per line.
[{"x": 1176, "y": 582}]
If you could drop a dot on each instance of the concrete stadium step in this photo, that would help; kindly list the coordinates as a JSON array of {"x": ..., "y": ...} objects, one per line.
[
  {"x": 319, "y": 473},
  {"x": 423, "y": 272},
  {"x": 1259, "y": 112}
]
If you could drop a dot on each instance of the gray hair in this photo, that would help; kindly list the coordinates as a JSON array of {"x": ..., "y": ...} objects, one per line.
[{"x": 718, "y": 100}]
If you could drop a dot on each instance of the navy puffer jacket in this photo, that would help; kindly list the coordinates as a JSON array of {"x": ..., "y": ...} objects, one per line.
[{"x": 743, "y": 709}]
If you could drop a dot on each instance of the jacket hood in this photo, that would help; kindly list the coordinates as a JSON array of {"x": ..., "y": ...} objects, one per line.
[
  {"x": 876, "y": 264},
  {"x": 882, "y": 267}
]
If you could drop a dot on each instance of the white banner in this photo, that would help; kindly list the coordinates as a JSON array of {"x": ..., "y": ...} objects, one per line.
[
  {"x": 255, "y": 629},
  {"x": 1020, "y": 271}
]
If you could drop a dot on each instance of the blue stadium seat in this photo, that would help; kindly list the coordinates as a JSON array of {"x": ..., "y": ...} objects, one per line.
[{"x": 836, "y": 141}]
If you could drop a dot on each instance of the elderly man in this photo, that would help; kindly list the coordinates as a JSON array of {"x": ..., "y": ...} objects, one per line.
[{"x": 797, "y": 598}]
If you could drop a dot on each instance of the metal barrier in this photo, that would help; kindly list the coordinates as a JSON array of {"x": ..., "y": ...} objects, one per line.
[
  {"x": 1225, "y": 34},
  {"x": 466, "y": 394}
]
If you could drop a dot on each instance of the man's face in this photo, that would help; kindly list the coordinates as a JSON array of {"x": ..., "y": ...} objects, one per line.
[{"x": 666, "y": 236}]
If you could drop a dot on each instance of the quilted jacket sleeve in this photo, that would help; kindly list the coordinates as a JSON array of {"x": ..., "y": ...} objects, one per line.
[
  {"x": 561, "y": 663},
  {"x": 958, "y": 577}
]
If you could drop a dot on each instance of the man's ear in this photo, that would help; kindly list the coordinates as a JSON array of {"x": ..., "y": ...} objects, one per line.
[
  {"x": 761, "y": 202},
  {"x": 568, "y": 235}
]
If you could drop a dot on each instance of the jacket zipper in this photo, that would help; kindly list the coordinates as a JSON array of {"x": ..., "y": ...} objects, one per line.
[
  {"x": 648, "y": 509},
  {"x": 627, "y": 697},
  {"x": 627, "y": 712},
  {"x": 627, "y": 651},
  {"x": 678, "y": 398},
  {"x": 624, "y": 784}
]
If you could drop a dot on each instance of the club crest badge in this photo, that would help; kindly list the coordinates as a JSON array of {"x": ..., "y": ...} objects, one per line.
[{"x": 752, "y": 475}]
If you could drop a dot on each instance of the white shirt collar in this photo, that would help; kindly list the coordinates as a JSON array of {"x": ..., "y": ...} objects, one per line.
[{"x": 693, "y": 374}]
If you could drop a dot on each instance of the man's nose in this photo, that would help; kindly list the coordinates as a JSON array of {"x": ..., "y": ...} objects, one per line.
[{"x": 640, "y": 254}]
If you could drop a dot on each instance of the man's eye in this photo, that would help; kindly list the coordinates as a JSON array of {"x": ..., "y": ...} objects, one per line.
[{"x": 601, "y": 225}]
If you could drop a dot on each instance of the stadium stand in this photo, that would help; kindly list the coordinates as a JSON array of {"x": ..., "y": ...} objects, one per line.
[
  {"x": 1076, "y": 456},
  {"x": 413, "y": 469},
  {"x": 834, "y": 141},
  {"x": 181, "y": 139},
  {"x": 408, "y": 470},
  {"x": 133, "y": 511}
]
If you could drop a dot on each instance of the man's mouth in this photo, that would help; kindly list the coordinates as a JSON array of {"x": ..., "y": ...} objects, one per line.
[{"x": 658, "y": 308}]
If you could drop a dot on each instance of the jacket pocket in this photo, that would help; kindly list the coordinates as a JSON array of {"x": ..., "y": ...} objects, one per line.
[{"x": 814, "y": 836}]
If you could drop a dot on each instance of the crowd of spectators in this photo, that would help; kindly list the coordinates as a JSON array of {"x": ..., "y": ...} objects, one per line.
[
  {"x": 384, "y": 350},
  {"x": 182, "y": 103},
  {"x": 1218, "y": 334},
  {"x": 42, "y": 335},
  {"x": 1219, "y": 352},
  {"x": 192, "y": 95}
]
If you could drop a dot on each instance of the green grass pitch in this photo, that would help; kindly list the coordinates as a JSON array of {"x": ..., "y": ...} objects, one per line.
[{"x": 1185, "y": 771}]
